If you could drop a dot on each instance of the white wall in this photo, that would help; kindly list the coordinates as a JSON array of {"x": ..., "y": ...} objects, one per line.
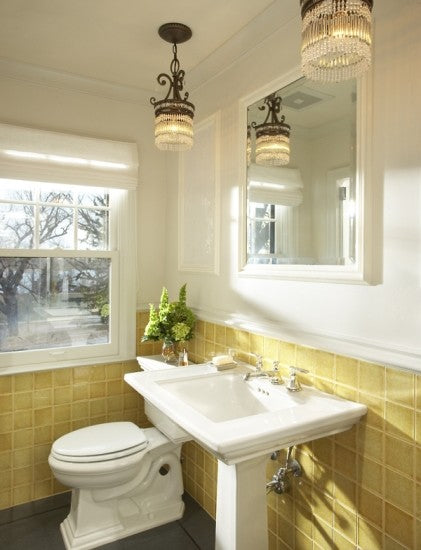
[
  {"x": 49, "y": 108},
  {"x": 379, "y": 323}
]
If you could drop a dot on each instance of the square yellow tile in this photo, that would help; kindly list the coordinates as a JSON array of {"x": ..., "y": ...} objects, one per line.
[
  {"x": 43, "y": 435},
  {"x": 372, "y": 378},
  {"x": 22, "y": 476},
  {"x": 80, "y": 392},
  {"x": 62, "y": 377},
  {"x": 23, "y": 457},
  {"x": 418, "y": 391},
  {"x": 22, "y": 401},
  {"x": 114, "y": 371},
  {"x": 346, "y": 371},
  {"x": 345, "y": 462},
  {"x": 345, "y": 522},
  {"x": 22, "y": 419},
  {"x": 61, "y": 413},
  {"x": 399, "y": 525},
  {"x": 97, "y": 373},
  {"x": 400, "y": 387},
  {"x": 80, "y": 410},
  {"x": 23, "y": 438},
  {"x": 399, "y": 455},
  {"x": 6, "y": 460},
  {"x": 6, "y": 403},
  {"x": 43, "y": 398},
  {"x": 43, "y": 417},
  {"x": 43, "y": 379},
  {"x": 370, "y": 506},
  {"x": 345, "y": 490},
  {"x": 369, "y": 538},
  {"x": 81, "y": 375},
  {"x": 5, "y": 385},
  {"x": 5, "y": 479},
  {"x": 220, "y": 335},
  {"x": 399, "y": 490},
  {"x": 399, "y": 421},
  {"x": 97, "y": 389},
  {"x": 24, "y": 382},
  {"x": 370, "y": 475},
  {"x": 324, "y": 364},
  {"x": 62, "y": 395},
  {"x": 370, "y": 442},
  {"x": 6, "y": 423},
  {"x": 376, "y": 410}
]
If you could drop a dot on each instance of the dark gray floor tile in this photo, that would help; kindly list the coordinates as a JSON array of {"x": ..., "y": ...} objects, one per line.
[{"x": 195, "y": 531}]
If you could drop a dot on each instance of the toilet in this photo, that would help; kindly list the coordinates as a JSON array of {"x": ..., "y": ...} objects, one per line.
[{"x": 124, "y": 480}]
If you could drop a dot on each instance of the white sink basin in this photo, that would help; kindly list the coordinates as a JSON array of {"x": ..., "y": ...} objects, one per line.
[{"x": 237, "y": 419}]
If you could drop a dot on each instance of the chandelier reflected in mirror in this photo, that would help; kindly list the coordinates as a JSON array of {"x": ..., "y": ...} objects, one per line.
[
  {"x": 272, "y": 135},
  {"x": 336, "y": 39},
  {"x": 174, "y": 114}
]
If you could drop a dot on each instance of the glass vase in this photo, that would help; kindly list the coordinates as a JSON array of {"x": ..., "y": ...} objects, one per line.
[{"x": 169, "y": 351}]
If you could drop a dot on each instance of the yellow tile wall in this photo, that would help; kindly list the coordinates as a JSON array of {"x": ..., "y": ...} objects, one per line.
[
  {"x": 361, "y": 489},
  {"x": 37, "y": 408}
]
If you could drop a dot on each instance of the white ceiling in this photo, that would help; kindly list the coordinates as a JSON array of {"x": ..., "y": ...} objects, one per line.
[{"x": 116, "y": 41}]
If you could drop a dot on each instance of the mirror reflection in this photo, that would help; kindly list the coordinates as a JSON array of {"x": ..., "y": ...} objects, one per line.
[{"x": 301, "y": 175}]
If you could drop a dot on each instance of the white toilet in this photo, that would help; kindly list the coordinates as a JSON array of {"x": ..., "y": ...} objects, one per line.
[{"x": 124, "y": 480}]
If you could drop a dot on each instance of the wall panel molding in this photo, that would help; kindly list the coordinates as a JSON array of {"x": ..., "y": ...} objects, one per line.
[{"x": 199, "y": 201}]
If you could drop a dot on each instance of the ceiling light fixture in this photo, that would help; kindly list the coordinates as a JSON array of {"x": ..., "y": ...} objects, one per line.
[
  {"x": 173, "y": 115},
  {"x": 336, "y": 38},
  {"x": 272, "y": 136}
]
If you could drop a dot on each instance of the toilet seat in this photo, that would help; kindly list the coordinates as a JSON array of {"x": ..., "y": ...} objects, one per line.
[{"x": 101, "y": 442}]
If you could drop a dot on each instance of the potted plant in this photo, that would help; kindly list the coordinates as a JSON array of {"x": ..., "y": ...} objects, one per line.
[{"x": 172, "y": 322}]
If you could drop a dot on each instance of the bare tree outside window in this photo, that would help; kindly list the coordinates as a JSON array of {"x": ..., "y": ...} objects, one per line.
[{"x": 53, "y": 300}]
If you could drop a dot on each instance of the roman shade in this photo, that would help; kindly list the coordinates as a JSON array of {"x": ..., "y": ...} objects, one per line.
[
  {"x": 40, "y": 155},
  {"x": 274, "y": 185}
]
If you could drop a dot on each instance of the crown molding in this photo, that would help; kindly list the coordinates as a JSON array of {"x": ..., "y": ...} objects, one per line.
[{"x": 38, "y": 75}]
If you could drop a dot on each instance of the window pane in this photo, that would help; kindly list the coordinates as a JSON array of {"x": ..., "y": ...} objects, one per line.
[
  {"x": 92, "y": 229},
  {"x": 57, "y": 194},
  {"x": 53, "y": 302},
  {"x": 94, "y": 197},
  {"x": 14, "y": 190},
  {"x": 56, "y": 227},
  {"x": 16, "y": 226}
]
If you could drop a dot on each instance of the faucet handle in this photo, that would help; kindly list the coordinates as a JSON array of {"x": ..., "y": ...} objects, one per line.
[
  {"x": 293, "y": 384},
  {"x": 259, "y": 360},
  {"x": 275, "y": 365},
  {"x": 294, "y": 370}
]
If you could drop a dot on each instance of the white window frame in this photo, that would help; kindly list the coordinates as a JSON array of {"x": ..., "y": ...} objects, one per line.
[{"x": 122, "y": 252}]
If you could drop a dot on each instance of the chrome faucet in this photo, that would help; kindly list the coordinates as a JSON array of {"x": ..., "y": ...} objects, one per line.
[{"x": 260, "y": 373}]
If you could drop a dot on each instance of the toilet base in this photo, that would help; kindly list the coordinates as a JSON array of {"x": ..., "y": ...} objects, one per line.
[
  {"x": 127, "y": 526},
  {"x": 151, "y": 498}
]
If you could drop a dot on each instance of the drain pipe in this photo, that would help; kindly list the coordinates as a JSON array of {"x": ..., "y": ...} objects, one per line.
[{"x": 280, "y": 482}]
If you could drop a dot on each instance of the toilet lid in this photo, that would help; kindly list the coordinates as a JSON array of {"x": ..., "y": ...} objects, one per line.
[{"x": 114, "y": 439}]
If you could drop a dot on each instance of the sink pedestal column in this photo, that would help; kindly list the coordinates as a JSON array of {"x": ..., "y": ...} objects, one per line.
[{"x": 241, "y": 515}]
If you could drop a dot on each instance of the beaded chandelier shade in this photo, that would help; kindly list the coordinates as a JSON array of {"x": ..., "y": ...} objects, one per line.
[
  {"x": 174, "y": 114},
  {"x": 336, "y": 39},
  {"x": 272, "y": 136}
]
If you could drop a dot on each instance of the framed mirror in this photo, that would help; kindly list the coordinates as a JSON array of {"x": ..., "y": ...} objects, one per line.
[{"x": 306, "y": 203}]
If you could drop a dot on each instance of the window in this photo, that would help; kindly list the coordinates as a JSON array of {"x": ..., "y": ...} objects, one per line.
[{"x": 66, "y": 271}]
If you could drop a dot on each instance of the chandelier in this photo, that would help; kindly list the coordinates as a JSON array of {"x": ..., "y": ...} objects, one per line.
[
  {"x": 272, "y": 136},
  {"x": 173, "y": 114},
  {"x": 336, "y": 38}
]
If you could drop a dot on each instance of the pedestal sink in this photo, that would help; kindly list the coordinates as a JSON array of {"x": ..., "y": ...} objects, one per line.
[{"x": 241, "y": 423}]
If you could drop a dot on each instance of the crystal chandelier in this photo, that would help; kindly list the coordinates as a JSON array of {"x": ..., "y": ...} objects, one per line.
[
  {"x": 272, "y": 136},
  {"x": 336, "y": 38},
  {"x": 173, "y": 115}
]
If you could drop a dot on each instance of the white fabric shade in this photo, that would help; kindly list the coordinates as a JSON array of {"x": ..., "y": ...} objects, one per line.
[
  {"x": 274, "y": 185},
  {"x": 40, "y": 155}
]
